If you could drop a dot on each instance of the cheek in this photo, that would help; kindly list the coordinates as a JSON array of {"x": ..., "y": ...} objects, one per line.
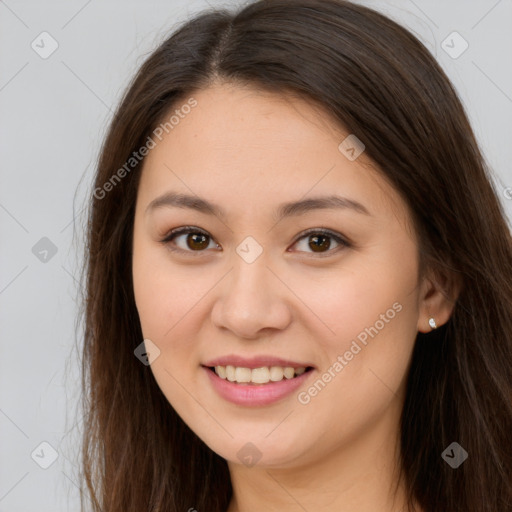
[
  {"x": 165, "y": 298},
  {"x": 163, "y": 293},
  {"x": 369, "y": 319},
  {"x": 147, "y": 292},
  {"x": 347, "y": 301},
  {"x": 365, "y": 363},
  {"x": 152, "y": 287}
]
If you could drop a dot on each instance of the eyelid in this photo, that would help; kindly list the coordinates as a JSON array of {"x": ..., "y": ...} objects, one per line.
[{"x": 183, "y": 230}]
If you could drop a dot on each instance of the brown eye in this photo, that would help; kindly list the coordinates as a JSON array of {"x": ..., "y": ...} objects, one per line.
[
  {"x": 197, "y": 241},
  {"x": 321, "y": 241},
  {"x": 192, "y": 240}
]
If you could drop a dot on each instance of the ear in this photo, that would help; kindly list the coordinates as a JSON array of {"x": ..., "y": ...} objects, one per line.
[{"x": 438, "y": 295}]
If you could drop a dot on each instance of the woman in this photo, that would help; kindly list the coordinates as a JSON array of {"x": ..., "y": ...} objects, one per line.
[{"x": 299, "y": 277}]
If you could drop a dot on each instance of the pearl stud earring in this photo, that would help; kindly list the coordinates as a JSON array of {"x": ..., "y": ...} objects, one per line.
[{"x": 432, "y": 323}]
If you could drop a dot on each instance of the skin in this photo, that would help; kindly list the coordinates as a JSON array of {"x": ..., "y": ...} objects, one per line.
[{"x": 249, "y": 151}]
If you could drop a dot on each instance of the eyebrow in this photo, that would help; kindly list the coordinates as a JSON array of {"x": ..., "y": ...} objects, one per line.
[{"x": 172, "y": 199}]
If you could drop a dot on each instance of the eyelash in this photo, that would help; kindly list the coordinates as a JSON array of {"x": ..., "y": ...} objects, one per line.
[{"x": 315, "y": 231}]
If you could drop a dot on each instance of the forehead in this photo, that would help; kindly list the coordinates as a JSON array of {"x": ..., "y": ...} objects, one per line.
[
  {"x": 230, "y": 114},
  {"x": 247, "y": 148}
]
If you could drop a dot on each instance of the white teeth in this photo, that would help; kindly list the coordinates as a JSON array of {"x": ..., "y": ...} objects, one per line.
[
  {"x": 261, "y": 375},
  {"x": 230, "y": 373},
  {"x": 242, "y": 374},
  {"x": 276, "y": 373},
  {"x": 289, "y": 372},
  {"x": 221, "y": 371}
]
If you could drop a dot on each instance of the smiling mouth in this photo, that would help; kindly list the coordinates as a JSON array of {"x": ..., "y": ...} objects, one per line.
[{"x": 258, "y": 376}]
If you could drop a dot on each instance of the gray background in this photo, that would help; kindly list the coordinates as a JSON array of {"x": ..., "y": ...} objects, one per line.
[{"x": 53, "y": 115}]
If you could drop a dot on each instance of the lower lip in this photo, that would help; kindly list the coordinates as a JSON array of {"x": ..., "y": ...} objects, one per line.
[{"x": 255, "y": 394}]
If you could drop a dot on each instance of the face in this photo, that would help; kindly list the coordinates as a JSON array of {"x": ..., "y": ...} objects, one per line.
[{"x": 316, "y": 303}]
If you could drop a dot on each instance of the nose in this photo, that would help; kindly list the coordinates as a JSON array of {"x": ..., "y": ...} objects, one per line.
[{"x": 252, "y": 301}]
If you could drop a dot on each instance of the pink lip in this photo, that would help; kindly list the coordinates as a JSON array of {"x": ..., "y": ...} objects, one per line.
[
  {"x": 254, "y": 362},
  {"x": 254, "y": 395}
]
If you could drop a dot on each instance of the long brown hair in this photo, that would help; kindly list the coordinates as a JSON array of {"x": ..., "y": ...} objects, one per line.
[{"x": 381, "y": 83}]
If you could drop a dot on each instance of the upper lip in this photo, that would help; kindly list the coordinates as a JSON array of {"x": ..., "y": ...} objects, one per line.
[{"x": 255, "y": 362}]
